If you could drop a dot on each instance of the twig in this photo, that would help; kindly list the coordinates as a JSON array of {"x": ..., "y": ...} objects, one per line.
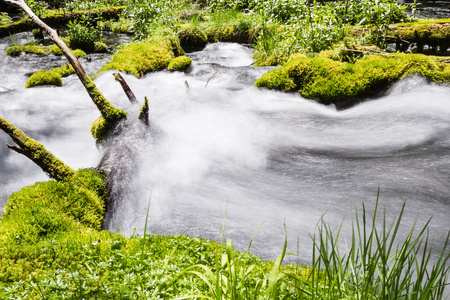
[
  {"x": 210, "y": 79},
  {"x": 126, "y": 88}
]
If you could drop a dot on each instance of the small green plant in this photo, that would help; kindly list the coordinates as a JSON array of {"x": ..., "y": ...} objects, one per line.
[
  {"x": 81, "y": 36},
  {"x": 4, "y": 18}
]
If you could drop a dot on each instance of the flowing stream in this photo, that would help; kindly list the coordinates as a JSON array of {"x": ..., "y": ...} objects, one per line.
[{"x": 223, "y": 146}]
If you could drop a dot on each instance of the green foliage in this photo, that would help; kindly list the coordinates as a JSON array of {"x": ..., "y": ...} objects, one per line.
[
  {"x": 122, "y": 25},
  {"x": 44, "y": 77},
  {"x": 81, "y": 36},
  {"x": 231, "y": 26},
  {"x": 333, "y": 81},
  {"x": 100, "y": 47},
  {"x": 4, "y": 18},
  {"x": 147, "y": 15},
  {"x": 180, "y": 63}
]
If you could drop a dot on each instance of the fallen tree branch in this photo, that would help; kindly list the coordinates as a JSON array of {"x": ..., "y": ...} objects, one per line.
[{"x": 126, "y": 88}]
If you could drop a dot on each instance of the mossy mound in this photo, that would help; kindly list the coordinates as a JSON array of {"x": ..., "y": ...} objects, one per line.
[
  {"x": 57, "y": 51},
  {"x": 436, "y": 36},
  {"x": 152, "y": 54},
  {"x": 180, "y": 63},
  {"x": 16, "y": 50},
  {"x": 52, "y": 77},
  {"x": 65, "y": 70},
  {"x": 100, "y": 47},
  {"x": 48, "y": 208},
  {"x": 192, "y": 37},
  {"x": 332, "y": 81},
  {"x": 44, "y": 77}
]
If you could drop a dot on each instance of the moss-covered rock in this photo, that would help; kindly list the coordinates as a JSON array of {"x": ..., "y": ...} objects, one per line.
[
  {"x": 100, "y": 47},
  {"x": 180, "y": 63},
  {"x": 15, "y": 50},
  {"x": 332, "y": 81},
  {"x": 45, "y": 212},
  {"x": 53, "y": 77},
  {"x": 44, "y": 77},
  {"x": 65, "y": 70},
  {"x": 57, "y": 51},
  {"x": 192, "y": 37},
  {"x": 152, "y": 54}
]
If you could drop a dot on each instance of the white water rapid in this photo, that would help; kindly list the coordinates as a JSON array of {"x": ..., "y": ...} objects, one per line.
[{"x": 270, "y": 157}]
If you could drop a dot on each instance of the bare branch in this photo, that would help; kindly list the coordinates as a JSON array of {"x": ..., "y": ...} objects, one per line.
[{"x": 126, "y": 88}]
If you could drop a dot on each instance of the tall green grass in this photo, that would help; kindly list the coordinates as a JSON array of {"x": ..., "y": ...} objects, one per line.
[{"x": 376, "y": 264}]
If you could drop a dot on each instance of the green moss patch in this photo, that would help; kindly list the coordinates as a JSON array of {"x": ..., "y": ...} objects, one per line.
[
  {"x": 180, "y": 63},
  {"x": 57, "y": 51},
  {"x": 44, "y": 77},
  {"x": 65, "y": 70},
  {"x": 332, "y": 81},
  {"x": 16, "y": 50},
  {"x": 99, "y": 129},
  {"x": 153, "y": 54},
  {"x": 192, "y": 37},
  {"x": 47, "y": 208},
  {"x": 53, "y": 77},
  {"x": 436, "y": 36}
]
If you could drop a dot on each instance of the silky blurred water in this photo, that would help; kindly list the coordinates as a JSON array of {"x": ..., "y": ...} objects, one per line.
[{"x": 223, "y": 146}]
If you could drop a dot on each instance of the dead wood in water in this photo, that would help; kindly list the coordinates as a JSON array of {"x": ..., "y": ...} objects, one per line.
[
  {"x": 35, "y": 151},
  {"x": 126, "y": 88}
]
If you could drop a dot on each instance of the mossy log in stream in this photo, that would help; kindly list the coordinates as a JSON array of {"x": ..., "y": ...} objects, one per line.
[
  {"x": 336, "y": 82},
  {"x": 435, "y": 36},
  {"x": 59, "y": 19}
]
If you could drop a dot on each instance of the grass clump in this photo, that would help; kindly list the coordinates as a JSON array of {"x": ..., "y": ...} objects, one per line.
[
  {"x": 44, "y": 77},
  {"x": 332, "y": 81},
  {"x": 153, "y": 54},
  {"x": 180, "y": 63}
]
